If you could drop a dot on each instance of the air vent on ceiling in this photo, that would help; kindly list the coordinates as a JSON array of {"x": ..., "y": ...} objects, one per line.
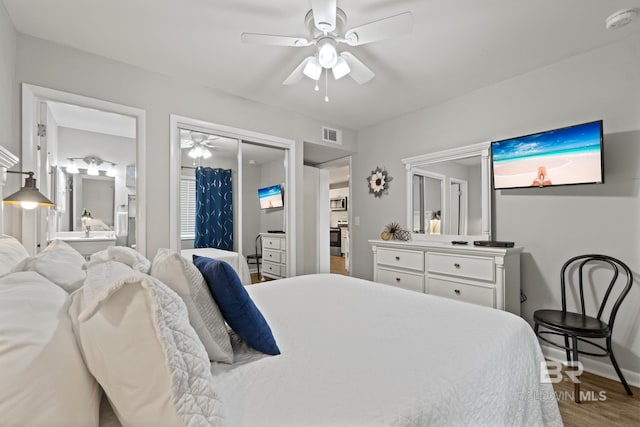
[{"x": 331, "y": 135}]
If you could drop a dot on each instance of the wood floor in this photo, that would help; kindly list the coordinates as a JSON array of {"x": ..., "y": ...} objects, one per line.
[
  {"x": 608, "y": 403},
  {"x": 337, "y": 266}
]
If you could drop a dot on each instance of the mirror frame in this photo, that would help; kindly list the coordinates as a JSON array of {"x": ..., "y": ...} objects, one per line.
[{"x": 418, "y": 163}]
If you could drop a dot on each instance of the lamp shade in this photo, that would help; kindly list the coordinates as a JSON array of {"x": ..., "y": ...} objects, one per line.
[{"x": 28, "y": 196}]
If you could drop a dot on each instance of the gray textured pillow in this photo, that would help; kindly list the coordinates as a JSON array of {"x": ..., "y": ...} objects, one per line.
[{"x": 204, "y": 315}]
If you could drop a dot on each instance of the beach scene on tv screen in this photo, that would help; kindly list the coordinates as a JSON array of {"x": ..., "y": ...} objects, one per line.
[
  {"x": 558, "y": 157},
  {"x": 270, "y": 197}
]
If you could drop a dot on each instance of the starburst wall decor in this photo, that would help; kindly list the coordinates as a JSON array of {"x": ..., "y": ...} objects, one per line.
[{"x": 379, "y": 182}]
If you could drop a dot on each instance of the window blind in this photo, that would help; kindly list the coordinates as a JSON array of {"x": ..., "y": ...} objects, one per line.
[{"x": 187, "y": 208}]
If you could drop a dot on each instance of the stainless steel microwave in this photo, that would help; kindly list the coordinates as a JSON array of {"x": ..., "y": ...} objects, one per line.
[{"x": 338, "y": 204}]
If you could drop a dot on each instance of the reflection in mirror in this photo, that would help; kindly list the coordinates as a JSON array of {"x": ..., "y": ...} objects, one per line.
[
  {"x": 220, "y": 154},
  {"x": 92, "y": 156},
  {"x": 449, "y": 193},
  {"x": 427, "y": 202}
]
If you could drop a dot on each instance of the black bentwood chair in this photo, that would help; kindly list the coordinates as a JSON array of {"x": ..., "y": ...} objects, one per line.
[
  {"x": 256, "y": 258},
  {"x": 580, "y": 326}
]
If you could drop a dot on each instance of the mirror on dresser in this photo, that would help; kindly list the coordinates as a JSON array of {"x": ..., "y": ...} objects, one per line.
[{"x": 449, "y": 194}]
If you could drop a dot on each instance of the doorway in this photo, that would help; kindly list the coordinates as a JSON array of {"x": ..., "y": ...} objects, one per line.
[{"x": 338, "y": 216}]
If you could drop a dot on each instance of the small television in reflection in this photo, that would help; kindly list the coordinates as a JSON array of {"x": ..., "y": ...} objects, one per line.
[
  {"x": 271, "y": 197},
  {"x": 564, "y": 156}
]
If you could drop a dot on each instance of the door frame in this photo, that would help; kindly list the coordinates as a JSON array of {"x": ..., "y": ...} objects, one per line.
[
  {"x": 32, "y": 96},
  {"x": 289, "y": 145}
]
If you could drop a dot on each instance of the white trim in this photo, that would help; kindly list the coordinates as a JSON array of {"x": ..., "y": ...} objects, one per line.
[
  {"x": 604, "y": 369},
  {"x": 31, "y": 97},
  {"x": 177, "y": 121},
  {"x": 7, "y": 160}
]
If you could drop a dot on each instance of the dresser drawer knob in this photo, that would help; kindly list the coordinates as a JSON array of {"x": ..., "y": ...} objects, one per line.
[
  {"x": 398, "y": 279},
  {"x": 457, "y": 291},
  {"x": 397, "y": 258},
  {"x": 456, "y": 265}
]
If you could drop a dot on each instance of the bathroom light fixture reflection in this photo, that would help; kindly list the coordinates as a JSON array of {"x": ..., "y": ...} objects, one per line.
[{"x": 72, "y": 167}]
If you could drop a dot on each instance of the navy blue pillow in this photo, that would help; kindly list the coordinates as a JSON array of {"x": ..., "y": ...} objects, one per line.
[{"x": 236, "y": 305}]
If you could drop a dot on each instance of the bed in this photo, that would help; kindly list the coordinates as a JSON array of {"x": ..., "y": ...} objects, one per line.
[
  {"x": 364, "y": 354},
  {"x": 236, "y": 260},
  {"x": 352, "y": 352}
]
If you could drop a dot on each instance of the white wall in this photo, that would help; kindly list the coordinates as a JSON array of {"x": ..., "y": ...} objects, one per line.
[
  {"x": 311, "y": 201},
  {"x": 551, "y": 224},
  {"x": 9, "y": 117},
  {"x": 54, "y": 66}
]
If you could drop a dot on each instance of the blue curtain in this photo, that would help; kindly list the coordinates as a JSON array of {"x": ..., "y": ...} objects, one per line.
[{"x": 214, "y": 209}]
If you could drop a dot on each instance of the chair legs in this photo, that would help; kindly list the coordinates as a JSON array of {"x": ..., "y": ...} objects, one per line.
[
  {"x": 617, "y": 368},
  {"x": 576, "y": 384}
]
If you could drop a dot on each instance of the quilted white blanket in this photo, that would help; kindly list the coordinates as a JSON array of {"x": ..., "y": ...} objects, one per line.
[{"x": 363, "y": 354}]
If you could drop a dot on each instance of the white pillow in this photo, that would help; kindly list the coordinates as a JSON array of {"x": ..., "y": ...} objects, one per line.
[
  {"x": 125, "y": 255},
  {"x": 44, "y": 379},
  {"x": 186, "y": 280},
  {"x": 11, "y": 254},
  {"x": 137, "y": 342},
  {"x": 60, "y": 263}
]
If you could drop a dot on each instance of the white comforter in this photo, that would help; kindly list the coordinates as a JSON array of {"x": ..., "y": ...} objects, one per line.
[
  {"x": 356, "y": 353},
  {"x": 236, "y": 260}
]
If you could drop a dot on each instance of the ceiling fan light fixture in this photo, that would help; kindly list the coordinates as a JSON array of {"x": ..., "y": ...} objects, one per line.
[
  {"x": 206, "y": 153},
  {"x": 313, "y": 69},
  {"x": 195, "y": 152},
  {"x": 327, "y": 54},
  {"x": 341, "y": 68}
]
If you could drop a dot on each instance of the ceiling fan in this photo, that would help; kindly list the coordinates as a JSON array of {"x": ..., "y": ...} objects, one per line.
[
  {"x": 326, "y": 23},
  {"x": 199, "y": 143}
]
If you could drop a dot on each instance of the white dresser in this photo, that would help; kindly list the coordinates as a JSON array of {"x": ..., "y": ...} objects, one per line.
[
  {"x": 479, "y": 275},
  {"x": 274, "y": 255}
]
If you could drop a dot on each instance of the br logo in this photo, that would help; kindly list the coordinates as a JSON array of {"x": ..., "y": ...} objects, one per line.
[{"x": 551, "y": 371}]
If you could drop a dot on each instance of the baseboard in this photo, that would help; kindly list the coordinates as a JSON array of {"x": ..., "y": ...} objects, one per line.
[{"x": 603, "y": 369}]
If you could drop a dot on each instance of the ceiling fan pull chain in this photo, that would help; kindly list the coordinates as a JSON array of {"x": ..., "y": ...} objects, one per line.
[{"x": 326, "y": 85}]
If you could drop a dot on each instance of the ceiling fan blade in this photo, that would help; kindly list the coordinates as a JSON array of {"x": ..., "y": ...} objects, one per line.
[
  {"x": 324, "y": 14},
  {"x": 275, "y": 40},
  {"x": 298, "y": 73},
  {"x": 382, "y": 29},
  {"x": 359, "y": 72}
]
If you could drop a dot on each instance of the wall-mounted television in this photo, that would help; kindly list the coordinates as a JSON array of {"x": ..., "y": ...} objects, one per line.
[
  {"x": 565, "y": 156},
  {"x": 270, "y": 197}
]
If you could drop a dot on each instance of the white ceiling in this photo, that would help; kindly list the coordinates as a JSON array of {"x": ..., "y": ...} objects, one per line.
[
  {"x": 455, "y": 46},
  {"x": 76, "y": 117}
]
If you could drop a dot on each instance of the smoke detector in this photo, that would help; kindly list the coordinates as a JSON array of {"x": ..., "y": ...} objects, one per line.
[{"x": 620, "y": 18}]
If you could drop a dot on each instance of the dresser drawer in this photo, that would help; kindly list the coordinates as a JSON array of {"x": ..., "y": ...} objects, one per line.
[
  {"x": 412, "y": 260},
  {"x": 272, "y": 243},
  {"x": 272, "y": 256},
  {"x": 462, "y": 292},
  {"x": 412, "y": 282},
  {"x": 469, "y": 266},
  {"x": 272, "y": 269}
]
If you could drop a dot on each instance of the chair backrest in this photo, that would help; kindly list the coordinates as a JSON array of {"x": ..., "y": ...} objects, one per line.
[
  {"x": 615, "y": 265},
  {"x": 259, "y": 245}
]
